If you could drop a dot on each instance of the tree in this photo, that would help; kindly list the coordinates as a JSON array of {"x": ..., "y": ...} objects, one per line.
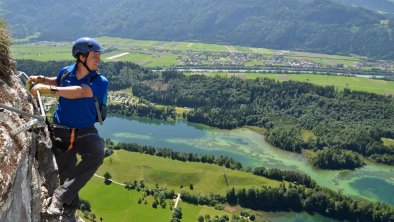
[
  {"x": 155, "y": 203},
  {"x": 85, "y": 205},
  {"x": 177, "y": 213},
  {"x": 92, "y": 216},
  {"x": 231, "y": 197},
  {"x": 200, "y": 218},
  {"x": 107, "y": 178},
  {"x": 85, "y": 214}
]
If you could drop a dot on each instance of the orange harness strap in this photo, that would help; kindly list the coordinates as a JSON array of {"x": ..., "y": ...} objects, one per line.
[{"x": 72, "y": 140}]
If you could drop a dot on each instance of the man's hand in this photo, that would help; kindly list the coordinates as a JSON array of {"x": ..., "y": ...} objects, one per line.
[
  {"x": 35, "y": 79},
  {"x": 43, "y": 89}
]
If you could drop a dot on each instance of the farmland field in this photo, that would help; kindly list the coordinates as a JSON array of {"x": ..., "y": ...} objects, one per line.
[
  {"x": 115, "y": 203},
  {"x": 129, "y": 166},
  {"x": 167, "y": 52}
]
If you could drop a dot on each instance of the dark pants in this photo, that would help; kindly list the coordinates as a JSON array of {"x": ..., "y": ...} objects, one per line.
[{"x": 74, "y": 176}]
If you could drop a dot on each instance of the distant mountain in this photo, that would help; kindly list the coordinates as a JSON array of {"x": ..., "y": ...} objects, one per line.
[
  {"x": 382, "y": 6},
  {"x": 318, "y": 26}
]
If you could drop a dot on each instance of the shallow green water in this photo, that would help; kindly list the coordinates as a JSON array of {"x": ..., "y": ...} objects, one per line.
[
  {"x": 374, "y": 181},
  {"x": 296, "y": 217}
]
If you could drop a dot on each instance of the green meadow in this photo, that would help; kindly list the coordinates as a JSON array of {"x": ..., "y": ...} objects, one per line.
[
  {"x": 129, "y": 166},
  {"x": 342, "y": 82},
  {"x": 325, "y": 59},
  {"x": 388, "y": 142},
  {"x": 114, "y": 203},
  {"x": 191, "y": 212},
  {"x": 42, "y": 52},
  {"x": 339, "y": 82},
  {"x": 160, "y": 53},
  {"x": 163, "y": 54}
]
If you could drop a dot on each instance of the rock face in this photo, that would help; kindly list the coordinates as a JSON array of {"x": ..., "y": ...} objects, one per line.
[{"x": 28, "y": 173}]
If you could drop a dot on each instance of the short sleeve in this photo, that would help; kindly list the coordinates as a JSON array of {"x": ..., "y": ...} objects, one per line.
[{"x": 99, "y": 86}]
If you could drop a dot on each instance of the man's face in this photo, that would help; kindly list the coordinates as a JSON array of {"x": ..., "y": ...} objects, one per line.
[{"x": 93, "y": 61}]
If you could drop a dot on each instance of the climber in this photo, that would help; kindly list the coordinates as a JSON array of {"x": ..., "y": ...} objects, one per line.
[{"x": 79, "y": 87}]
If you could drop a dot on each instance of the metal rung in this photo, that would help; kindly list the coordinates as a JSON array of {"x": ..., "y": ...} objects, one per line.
[
  {"x": 20, "y": 73},
  {"x": 23, "y": 113},
  {"x": 25, "y": 127}
]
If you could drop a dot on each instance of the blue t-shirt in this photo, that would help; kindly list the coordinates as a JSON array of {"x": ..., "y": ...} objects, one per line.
[{"x": 80, "y": 113}]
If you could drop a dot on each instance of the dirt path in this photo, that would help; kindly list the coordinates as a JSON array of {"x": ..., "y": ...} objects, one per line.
[
  {"x": 118, "y": 55},
  {"x": 177, "y": 200},
  {"x": 229, "y": 49}
]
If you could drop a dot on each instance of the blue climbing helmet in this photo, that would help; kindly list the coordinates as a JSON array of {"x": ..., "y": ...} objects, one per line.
[{"x": 85, "y": 45}]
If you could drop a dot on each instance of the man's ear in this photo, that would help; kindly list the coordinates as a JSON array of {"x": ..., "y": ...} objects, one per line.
[{"x": 82, "y": 58}]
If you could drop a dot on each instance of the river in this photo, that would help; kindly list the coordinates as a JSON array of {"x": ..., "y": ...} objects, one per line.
[{"x": 374, "y": 181}]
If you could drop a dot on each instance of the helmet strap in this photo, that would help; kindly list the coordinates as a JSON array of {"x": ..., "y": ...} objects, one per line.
[{"x": 84, "y": 63}]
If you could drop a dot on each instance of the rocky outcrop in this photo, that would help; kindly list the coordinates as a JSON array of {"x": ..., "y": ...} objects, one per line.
[{"x": 28, "y": 174}]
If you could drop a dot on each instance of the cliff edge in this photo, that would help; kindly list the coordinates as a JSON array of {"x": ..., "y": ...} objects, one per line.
[{"x": 28, "y": 171}]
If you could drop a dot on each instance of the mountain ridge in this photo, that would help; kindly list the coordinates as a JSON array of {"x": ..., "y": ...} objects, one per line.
[{"x": 319, "y": 26}]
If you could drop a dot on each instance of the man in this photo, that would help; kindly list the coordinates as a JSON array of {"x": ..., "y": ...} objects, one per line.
[{"x": 79, "y": 88}]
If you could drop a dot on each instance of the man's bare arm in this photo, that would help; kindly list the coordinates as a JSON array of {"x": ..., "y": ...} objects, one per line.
[{"x": 69, "y": 92}]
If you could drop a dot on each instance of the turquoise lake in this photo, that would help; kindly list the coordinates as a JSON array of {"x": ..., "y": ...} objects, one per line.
[{"x": 374, "y": 181}]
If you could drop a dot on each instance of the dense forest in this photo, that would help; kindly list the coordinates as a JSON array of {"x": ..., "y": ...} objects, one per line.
[
  {"x": 348, "y": 120},
  {"x": 318, "y": 26},
  {"x": 297, "y": 198},
  {"x": 344, "y": 120}
]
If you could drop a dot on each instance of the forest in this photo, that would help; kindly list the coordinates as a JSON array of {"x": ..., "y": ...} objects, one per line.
[
  {"x": 297, "y": 198},
  {"x": 348, "y": 120},
  {"x": 345, "y": 120}
]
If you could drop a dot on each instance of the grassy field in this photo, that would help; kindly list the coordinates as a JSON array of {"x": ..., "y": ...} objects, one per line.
[
  {"x": 340, "y": 82},
  {"x": 129, "y": 166},
  {"x": 388, "y": 142},
  {"x": 161, "y": 53},
  {"x": 114, "y": 203},
  {"x": 42, "y": 52},
  {"x": 328, "y": 59},
  {"x": 191, "y": 212}
]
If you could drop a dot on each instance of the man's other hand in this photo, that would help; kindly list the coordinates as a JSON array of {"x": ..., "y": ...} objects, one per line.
[
  {"x": 35, "y": 79},
  {"x": 43, "y": 89}
]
